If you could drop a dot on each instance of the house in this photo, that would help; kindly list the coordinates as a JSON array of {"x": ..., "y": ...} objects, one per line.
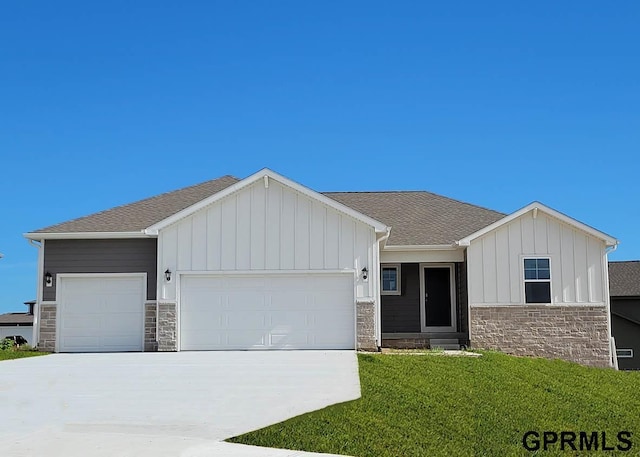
[
  {"x": 267, "y": 263},
  {"x": 624, "y": 279},
  {"x": 18, "y": 324}
]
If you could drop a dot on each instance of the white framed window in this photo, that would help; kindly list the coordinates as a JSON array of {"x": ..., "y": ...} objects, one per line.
[
  {"x": 624, "y": 353},
  {"x": 537, "y": 280},
  {"x": 390, "y": 279}
]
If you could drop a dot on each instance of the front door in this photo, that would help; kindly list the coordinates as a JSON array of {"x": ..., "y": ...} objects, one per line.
[{"x": 438, "y": 311}]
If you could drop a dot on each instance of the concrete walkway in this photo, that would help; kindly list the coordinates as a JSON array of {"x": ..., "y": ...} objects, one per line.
[{"x": 163, "y": 404}]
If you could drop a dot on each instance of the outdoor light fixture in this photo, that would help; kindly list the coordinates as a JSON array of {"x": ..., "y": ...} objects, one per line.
[
  {"x": 48, "y": 279},
  {"x": 167, "y": 275},
  {"x": 365, "y": 273}
]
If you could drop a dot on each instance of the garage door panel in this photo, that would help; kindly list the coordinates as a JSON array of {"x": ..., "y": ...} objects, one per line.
[
  {"x": 289, "y": 299},
  {"x": 199, "y": 338},
  {"x": 267, "y": 311},
  {"x": 245, "y": 299},
  {"x": 254, "y": 338},
  {"x": 89, "y": 342},
  {"x": 101, "y": 314},
  {"x": 289, "y": 319}
]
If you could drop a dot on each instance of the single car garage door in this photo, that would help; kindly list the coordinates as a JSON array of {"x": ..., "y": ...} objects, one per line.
[
  {"x": 267, "y": 311},
  {"x": 101, "y": 313}
]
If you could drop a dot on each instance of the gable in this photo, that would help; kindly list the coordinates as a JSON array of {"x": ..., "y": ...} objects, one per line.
[
  {"x": 577, "y": 266},
  {"x": 266, "y": 176},
  {"x": 260, "y": 227},
  {"x": 535, "y": 208}
]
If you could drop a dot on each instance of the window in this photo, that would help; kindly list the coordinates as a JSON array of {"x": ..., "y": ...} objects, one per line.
[
  {"x": 624, "y": 353},
  {"x": 390, "y": 280},
  {"x": 537, "y": 281}
]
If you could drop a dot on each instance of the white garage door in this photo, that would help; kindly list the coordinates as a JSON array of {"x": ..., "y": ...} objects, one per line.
[
  {"x": 101, "y": 313},
  {"x": 267, "y": 311}
]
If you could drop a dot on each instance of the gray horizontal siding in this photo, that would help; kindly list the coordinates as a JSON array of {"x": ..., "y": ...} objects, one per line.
[
  {"x": 101, "y": 256},
  {"x": 401, "y": 313}
]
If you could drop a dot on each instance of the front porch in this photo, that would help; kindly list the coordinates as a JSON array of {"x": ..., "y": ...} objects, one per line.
[{"x": 426, "y": 307}]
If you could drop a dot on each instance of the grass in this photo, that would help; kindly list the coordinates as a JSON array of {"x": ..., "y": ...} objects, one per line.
[
  {"x": 13, "y": 353},
  {"x": 464, "y": 406}
]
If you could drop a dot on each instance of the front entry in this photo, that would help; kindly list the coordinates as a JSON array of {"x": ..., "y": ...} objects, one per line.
[{"x": 437, "y": 292}]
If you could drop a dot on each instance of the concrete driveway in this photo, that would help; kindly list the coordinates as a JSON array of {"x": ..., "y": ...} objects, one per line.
[{"x": 161, "y": 404}]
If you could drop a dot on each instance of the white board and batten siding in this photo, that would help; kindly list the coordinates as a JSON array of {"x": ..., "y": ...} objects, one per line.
[
  {"x": 495, "y": 262},
  {"x": 272, "y": 228}
]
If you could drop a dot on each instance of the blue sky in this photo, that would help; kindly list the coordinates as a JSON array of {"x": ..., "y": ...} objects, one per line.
[{"x": 494, "y": 103}]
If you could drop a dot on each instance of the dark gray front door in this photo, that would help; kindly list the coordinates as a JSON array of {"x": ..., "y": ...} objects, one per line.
[{"x": 437, "y": 299}]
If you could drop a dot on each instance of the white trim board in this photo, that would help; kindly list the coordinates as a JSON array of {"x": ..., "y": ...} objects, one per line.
[{"x": 85, "y": 235}]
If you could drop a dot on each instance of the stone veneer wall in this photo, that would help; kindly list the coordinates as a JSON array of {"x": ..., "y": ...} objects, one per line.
[
  {"x": 150, "y": 327},
  {"x": 575, "y": 333},
  {"x": 47, "y": 338},
  {"x": 167, "y": 324},
  {"x": 366, "y": 326}
]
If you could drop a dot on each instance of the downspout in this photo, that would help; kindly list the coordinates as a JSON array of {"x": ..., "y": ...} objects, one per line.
[
  {"x": 378, "y": 295},
  {"x": 613, "y": 359},
  {"x": 36, "y": 311}
]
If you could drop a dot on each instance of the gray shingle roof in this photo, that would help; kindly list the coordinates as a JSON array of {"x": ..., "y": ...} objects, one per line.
[
  {"x": 16, "y": 318},
  {"x": 137, "y": 216},
  {"x": 624, "y": 278},
  {"x": 419, "y": 218},
  {"x": 416, "y": 218}
]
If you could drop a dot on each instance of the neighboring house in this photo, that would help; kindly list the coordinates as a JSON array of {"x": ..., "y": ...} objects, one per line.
[
  {"x": 14, "y": 324},
  {"x": 266, "y": 263},
  {"x": 624, "y": 279}
]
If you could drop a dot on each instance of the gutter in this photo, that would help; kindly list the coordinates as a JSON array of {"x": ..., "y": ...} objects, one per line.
[
  {"x": 378, "y": 296},
  {"x": 37, "y": 236}
]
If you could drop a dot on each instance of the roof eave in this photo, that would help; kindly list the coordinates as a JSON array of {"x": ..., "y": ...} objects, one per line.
[{"x": 85, "y": 235}]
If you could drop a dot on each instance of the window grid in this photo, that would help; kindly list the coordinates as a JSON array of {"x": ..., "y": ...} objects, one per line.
[
  {"x": 390, "y": 280},
  {"x": 537, "y": 280}
]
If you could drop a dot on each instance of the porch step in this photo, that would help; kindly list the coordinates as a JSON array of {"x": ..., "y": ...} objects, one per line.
[{"x": 444, "y": 343}]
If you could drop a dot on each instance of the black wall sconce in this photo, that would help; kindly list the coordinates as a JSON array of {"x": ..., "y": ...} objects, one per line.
[
  {"x": 167, "y": 275},
  {"x": 365, "y": 273},
  {"x": 48, "y": 279}
]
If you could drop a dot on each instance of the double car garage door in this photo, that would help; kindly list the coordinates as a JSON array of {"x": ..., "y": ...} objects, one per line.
[{"x": 217, "y": 312}]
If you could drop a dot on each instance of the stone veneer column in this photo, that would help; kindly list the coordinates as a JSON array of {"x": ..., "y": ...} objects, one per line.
[
  {"x": 167, "y": 324},
  {"x": 47, "y": 338},
  {"x": 575, "y": 333},
  {"x": 366, "y": 326},
  {"x": 150, "y": 327}
]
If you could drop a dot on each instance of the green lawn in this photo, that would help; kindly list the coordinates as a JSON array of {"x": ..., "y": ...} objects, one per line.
[
  {"x": 11, "y": 354},
  {"x": 461, "y": 406}
]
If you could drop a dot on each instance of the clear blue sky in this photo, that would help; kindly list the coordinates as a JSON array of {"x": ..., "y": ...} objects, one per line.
[{"x": 494, "y": 103}]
